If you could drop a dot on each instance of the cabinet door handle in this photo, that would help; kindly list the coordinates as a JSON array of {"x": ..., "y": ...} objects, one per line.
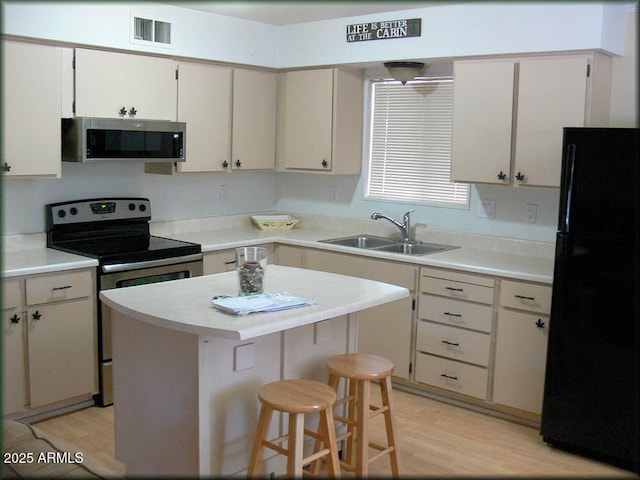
[
  {"x": 6, "y": 167},
  {"x": 225, "y": 164},
  {"x": 238, "y": 163},
  {"x": 502, "y": 175},
  {"x": 451, "y": 344},
  {"x": 520, "y": 177},
  {"x": 36, "y": 315},
  {"x": 539, "y": 323},
  {"x": 449, "y": 314},
  {"x": 66, "y": 287},
  {"x": 450, "y": 377},
  {"x": 454, "y": 289},
  {"x": 123, "y": 111},
  {"x": 231, "y": 262},
  {"x": 132, "y": 112},
  {"x": 324, "y": 164},
  {"x": 15, "y": 319},
  {"x": 522, "y": 297}
]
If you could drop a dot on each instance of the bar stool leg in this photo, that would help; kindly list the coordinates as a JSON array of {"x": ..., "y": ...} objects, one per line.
[
  {"x": 264, "y": 421},
  {"x": 328, "y": 431},
  {"x": 296, "y": 453},
  {"x": 350, "y": 453},
  {"x": 362, "y": 444},
  {"x": 387, "y": 399}
]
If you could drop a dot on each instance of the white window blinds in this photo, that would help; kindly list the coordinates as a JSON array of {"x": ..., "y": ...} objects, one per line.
[{"x": 410, "y": 157}]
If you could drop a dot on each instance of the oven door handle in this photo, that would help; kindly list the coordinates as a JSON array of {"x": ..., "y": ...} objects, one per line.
[{"x": 120, "y": 267}]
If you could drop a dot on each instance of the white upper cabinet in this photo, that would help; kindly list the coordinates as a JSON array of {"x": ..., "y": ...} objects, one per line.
[
  {"x": 509, "y": 115},
  {"x": 320, "y": 120},
  {"x": 482, "y": 119},
  {"x": 31, "y": 109},
  {"x": 204, "y": 103},
  {"x": 113, "y": 85},
  {"x": 254, "y": 120}
]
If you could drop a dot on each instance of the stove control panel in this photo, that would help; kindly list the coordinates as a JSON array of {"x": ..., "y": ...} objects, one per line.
[{"x": 98, "y": 210}]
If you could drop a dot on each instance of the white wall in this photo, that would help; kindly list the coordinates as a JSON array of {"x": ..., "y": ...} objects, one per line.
[
  {"x": 177, "y": 197},
  {"x": 624, "y": 78},
  {"x": 196, "y": 195},
  {"x": 312, "y": 193},
  {"x": 447, "y": 31},
  {"x": 461, "y": 30},
  {"x": 194, "y": 34}
]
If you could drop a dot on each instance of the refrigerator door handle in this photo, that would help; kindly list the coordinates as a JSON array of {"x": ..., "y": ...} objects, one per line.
[{"x": 571, "y": 159}]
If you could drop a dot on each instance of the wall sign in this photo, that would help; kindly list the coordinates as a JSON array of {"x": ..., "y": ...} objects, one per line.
[{"x": 361, "y": 32}]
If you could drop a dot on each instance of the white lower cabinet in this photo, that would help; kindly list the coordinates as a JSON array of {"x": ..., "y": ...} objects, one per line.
[
  {"x": 14, "y": 398},
  {"x": 521, "y": 345},
  {"x": 476, "y": 338},
  {"x": 383, "y": 330},
  {"x": 453, "y": 340},
  {"x": 50, "y": 342},
  {"x": 220, "y": 261}
]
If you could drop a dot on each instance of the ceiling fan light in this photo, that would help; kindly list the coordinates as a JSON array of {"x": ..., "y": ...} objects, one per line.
[{"x": 404, "y": 71}]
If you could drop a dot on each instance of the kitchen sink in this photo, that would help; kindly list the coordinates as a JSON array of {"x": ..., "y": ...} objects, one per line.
[
  {"x": 385, "y": 244},
  {"x": 361, "y": 241},
  {"x": 415, "y": 248}
]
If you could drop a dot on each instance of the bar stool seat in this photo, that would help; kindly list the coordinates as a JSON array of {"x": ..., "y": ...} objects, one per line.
[
  {"x": 360, "y": 369},
  {"x": 296, "y": 397}
]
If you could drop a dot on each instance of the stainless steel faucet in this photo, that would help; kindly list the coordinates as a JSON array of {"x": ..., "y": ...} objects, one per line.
[{"x": 404, "y": 227}]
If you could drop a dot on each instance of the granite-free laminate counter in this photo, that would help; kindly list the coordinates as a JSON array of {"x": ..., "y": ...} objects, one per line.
[
  {"x": 41, "y": 260},
  {"x": 519, "y": 266},
  {"x": 185, "y": 305},
  {"x": 186, "y": 376}
]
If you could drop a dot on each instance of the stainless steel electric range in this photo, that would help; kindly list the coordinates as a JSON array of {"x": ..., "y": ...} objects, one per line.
[{"x": 115, "y": 231}]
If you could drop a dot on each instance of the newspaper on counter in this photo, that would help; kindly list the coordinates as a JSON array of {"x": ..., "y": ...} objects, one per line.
[{"x": 264, "y": 302}]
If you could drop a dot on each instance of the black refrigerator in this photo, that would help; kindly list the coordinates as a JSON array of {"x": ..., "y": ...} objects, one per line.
[{"x": 591, "y": 384}]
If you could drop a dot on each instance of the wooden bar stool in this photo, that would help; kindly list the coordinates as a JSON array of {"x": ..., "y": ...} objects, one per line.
[
  {"x": 360, "y": 369},
  {"x": 296, "y": 397}
]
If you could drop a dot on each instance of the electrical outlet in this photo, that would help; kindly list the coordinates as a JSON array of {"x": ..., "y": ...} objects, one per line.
[
  {"x": 487, "y": 209},
  {"x": 223, "y": 193},
  {"x": 532, "y": 212}
]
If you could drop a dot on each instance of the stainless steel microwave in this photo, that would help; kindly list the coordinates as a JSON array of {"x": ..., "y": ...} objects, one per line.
[{"x": 90, "y": 139}]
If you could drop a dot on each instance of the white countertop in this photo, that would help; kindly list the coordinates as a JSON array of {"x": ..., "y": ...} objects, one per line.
[
  {"x": 185, "y": 305},
  {"x": 509, "y": 265},
  {"x": 41, "y": 260},
  {"x": 521, "y": 267}
]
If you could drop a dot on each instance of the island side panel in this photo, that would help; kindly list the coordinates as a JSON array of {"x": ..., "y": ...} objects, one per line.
[
  {"x": 306, "y": 350},
  {"x": 155, "y": 378},
  {"x": 231, "y": 373}
]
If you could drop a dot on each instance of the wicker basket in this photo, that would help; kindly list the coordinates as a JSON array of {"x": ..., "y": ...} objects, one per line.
[{"x": 274, "y": 222}]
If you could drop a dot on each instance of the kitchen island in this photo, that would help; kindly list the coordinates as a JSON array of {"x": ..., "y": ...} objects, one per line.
[{"x": 186, "y": 375}]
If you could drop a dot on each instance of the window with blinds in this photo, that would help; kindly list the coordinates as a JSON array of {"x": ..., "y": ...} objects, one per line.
[{"x": 410, "y": 144}]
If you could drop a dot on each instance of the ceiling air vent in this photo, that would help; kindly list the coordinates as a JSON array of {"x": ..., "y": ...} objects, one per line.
[{"x": 149, "y": 30}]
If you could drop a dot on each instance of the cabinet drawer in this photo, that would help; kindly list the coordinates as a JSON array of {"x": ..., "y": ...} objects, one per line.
[
  {"x": 11, "y": 294},
  {"x": 64, "y": 286},
  {"x": 453, "y": 342},
  {"x": 525, "y": 296},
  {"x": 456, "y": 289},
  {"x": 455, "y": 312},
  {"x": 451, "y": 375}
]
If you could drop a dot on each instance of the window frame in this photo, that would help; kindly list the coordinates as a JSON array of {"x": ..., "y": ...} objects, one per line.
[{"x": 369, "y": 146}]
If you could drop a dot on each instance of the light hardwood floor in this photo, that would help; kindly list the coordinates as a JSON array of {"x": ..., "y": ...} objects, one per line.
[{"x": 436, "y": 439}]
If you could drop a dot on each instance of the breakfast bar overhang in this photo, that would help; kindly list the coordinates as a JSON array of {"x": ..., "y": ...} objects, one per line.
[{"x": 186, "y": 375}]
